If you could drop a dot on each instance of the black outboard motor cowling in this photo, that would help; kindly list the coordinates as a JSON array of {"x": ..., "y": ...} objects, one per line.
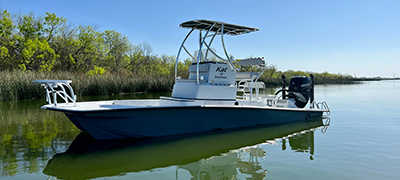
[{"x": 299, "y": 90}]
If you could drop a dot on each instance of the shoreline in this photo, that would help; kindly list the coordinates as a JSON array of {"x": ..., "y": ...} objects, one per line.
[{"x": 18, "y": 85}]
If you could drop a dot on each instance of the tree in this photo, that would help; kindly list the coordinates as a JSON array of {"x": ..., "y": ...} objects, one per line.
[
  {"x": 51, "y": 23},
  {"x": 35, "y": 52},
  {"x": 37, "y": 55},
  {"x": 148, "y": 58},
  {"x": 134, "y": 56},
  {"x": 7, "y": 43},
  {"x": 117, "y": 46},
  {"x": 65, "y": 45},
  {"x": 85, "y": 53}
]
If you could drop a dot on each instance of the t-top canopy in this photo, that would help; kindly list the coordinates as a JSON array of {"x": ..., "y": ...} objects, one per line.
[{"x": 230, "y": 29}]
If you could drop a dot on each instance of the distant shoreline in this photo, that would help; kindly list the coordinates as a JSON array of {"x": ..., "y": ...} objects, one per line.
[{"x": 374, "y": 79}]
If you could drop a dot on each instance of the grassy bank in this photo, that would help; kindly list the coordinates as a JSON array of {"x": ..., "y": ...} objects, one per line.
[{"x": 18, "y": 85}]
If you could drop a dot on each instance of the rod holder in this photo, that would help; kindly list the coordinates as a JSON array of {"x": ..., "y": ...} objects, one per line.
[
  {"x": 283, "y": 86},
  {"x": 312, "y": 91}
]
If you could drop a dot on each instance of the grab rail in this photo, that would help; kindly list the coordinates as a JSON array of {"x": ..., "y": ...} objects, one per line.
[
  {"x": 322, "y": 106},
  {"x": 51, "y": 85}
]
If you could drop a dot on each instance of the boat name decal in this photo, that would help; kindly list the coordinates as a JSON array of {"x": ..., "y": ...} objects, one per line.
[
  {"x": 221, "y": 77},
  {"x": 221, "y": 69}
]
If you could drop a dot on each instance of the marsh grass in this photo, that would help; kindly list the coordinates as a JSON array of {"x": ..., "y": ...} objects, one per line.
[{"x": 18, "y": 85}]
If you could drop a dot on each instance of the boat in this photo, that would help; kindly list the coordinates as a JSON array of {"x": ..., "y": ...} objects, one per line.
[
  {"x": 217, "y": 95},
  {"x": 220, "y": 152}
]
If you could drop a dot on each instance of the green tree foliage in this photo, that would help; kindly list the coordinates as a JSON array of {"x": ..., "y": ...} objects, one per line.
[
  {"x": 83, "y": 54},
  {"x": 52, "y": 24},
  {"x": 116, "y": 47},
  {"x": 96, "y": 71},
  {"x": 49, "y": 43},
  {"x": 23, "y": 45},
  {"x": 7, "y": 42}
]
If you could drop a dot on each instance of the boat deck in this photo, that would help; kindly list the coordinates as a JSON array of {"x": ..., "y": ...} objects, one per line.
[{"x": 116, "y": 105}]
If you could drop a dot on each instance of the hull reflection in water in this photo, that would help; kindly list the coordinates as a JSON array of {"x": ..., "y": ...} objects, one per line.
[{"x": 205, "y": 155}]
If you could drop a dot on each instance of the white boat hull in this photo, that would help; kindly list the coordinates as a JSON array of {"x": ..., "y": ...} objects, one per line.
[{"x": 139, "y": 122}]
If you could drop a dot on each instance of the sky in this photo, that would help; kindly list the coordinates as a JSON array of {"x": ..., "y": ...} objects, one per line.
[{"x": 356, "y": 37}]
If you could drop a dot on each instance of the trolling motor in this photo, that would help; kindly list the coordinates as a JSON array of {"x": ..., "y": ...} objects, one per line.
[{"x": 300, "y": 90}]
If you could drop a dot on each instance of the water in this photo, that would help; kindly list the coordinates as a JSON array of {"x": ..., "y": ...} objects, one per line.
[{"x": 360, "y": 143}]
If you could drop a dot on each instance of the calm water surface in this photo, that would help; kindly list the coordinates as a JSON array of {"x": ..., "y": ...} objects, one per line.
[{"x": 360, "y": 143}]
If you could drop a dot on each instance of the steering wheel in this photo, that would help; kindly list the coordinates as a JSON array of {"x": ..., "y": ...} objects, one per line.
[
  {"x": 281, "y": 90},
  {"x": 288, "y": 95}
]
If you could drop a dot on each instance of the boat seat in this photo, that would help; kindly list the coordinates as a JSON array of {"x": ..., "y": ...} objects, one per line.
[{"x": 246, "y": 75}]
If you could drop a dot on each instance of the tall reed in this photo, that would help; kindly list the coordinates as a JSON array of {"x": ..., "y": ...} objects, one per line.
[{"x": 18, "y": 85}]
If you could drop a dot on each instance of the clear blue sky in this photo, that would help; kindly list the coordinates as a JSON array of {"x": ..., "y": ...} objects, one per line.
[{"x": 356, "y": 37}]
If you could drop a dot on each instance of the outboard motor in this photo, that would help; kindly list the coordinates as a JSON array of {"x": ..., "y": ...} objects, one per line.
[{"x": 299, "y": 90}]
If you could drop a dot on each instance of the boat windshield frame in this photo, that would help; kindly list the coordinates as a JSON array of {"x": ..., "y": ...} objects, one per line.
[{"x": 216, "y": 27}]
